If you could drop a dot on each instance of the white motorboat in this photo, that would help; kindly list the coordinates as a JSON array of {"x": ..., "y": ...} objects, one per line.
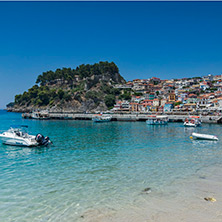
[
  {"x": 192, "y": 121},
  {"x": 16, "y": 136},
  {"x": 101, "y": 118},
  {"x": 204, "y": 136},
  {"x": 43, "y": 115},
  {"x": 157, "y": 120}
]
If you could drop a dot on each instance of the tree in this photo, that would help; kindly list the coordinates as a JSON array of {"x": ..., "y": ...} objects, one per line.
[
  {"x": 44, "y": 97},
  {"x": 48, "y": 91},
  {"x": 61, "y": 93},
  {"x": 110, "y": 101},
  {"x": 178, "y": 103},
  {"x": 137, "y": 94}
]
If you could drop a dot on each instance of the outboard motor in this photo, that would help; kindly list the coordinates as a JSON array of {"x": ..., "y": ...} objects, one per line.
[
  {"x": 46, "y": 141},
  {"x": 41, "y": 140}
]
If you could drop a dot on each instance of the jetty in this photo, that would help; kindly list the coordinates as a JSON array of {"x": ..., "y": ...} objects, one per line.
[{"x": 125, "y": 117}]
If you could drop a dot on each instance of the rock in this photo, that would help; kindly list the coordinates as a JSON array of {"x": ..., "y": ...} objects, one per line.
[
  {"x": 211, "y": 199},
  {"x": 147, "y": 190}
]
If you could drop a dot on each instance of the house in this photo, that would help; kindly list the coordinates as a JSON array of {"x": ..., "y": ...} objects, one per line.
[
  {"x": 154, "y": 108},
  {"x": 168, "y": 107},
  {"x": 161, "y": 109},
  {"x": 137, "y": 99},
  {"x": 204, "y": 85},
  {"x": 151, "y": 96},
  {"x": 172, "y": 97},
  {"x": 140, "y": 87},
  {"x": 156, "y": 102},
  {"x": 125, "y": 105},
  {"x": 134, "y": 107},
  {"x": 218, "y": 77},
  {"x": 182, "y": 97},
  {"x": 147, "y": 104},
  {"x": 189, "y": 106},
  {"x": 209, "y": 77},
  {"x": 117, "y": 106},
  {"x": 155, "y": 80},
  {"x": 163, "y": 102},
  {"x": 141, "y": 108},
  {"x": 192, "y": 98}
]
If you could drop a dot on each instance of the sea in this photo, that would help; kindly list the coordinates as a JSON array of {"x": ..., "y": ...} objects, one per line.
[{"x": 97, "y": 167}]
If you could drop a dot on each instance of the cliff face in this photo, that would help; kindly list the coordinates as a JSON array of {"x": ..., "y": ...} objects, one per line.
[{"x": 84, "y": 89}]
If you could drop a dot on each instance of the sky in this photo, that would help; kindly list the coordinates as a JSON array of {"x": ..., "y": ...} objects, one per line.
[{"x": 144, "y": 39}]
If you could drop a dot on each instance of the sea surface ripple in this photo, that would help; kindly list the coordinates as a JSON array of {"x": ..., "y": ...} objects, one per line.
[{"x": 95, "y": 165}]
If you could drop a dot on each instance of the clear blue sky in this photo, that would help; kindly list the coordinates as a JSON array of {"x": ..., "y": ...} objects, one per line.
[{"x": 145, "y": 39}]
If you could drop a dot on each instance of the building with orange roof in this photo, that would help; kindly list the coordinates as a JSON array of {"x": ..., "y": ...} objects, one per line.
[
  {"x": 204, "y": 85},
  {"x": 168, "y": 107},
  {"x": 172, "y": 97},
  {"x": 134, "y": 107},
  {"x": 156, "y": 102}
]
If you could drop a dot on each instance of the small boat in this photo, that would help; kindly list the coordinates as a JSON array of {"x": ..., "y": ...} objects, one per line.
[
  {"x": 192, "y": 121},
  {"x": 204, "y": 136},
  {"x": 43, "y": 115},
  {"x": 101, "y": 118},
  {"x": 157, "y": 120},
  {"x": 16, "y": 136}
]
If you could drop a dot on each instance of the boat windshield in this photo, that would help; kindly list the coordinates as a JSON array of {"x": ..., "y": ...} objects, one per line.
[{"x": 18, "y": 132}]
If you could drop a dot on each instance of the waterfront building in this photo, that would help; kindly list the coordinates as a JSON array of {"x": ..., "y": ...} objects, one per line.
[
  {"x": 134, "y": 107},
  {"x": 168, "y": 107},
  {"x": 204, "y": 85},
  {"x": 172, "y": 97},
  {"x": 156, "y": 102},
  {"x": 163, "y": 102},
  {"x": 192, "y": 98},
  {"x": 151, "y": 96}
]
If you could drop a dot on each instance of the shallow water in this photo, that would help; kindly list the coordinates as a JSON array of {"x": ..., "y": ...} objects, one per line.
[{"x": 95, "y": 165}]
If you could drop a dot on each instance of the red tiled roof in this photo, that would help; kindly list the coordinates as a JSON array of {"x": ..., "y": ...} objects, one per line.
[{"x": 192, "y": 95}]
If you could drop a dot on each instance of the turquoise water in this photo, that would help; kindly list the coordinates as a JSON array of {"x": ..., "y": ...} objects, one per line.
[{"x": 94, "y": 165}]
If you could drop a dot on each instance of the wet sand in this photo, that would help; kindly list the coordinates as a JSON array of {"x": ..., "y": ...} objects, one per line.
[{"x": 183, "y": 200}]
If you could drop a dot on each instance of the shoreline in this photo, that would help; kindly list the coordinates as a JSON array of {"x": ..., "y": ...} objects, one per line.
[
  {"x": 179, "y": 199},
  {"x": 183, "y": 201}
]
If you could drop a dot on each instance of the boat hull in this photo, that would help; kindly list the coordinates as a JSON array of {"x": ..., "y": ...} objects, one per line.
[
  {"x": 100, "y": 119},
  {"x": 18, "y": 141},
  {"x": 204, "y": 136},
  {"x": 191, "y": 125}
]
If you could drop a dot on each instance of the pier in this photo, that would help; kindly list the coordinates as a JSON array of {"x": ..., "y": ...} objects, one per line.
[{"x": 124, "y": 117}]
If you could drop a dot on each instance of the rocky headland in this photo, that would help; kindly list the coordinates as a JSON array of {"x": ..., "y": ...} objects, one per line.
[{"x": 87, "y": 88}]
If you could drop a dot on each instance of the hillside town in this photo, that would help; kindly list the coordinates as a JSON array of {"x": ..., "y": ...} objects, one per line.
[{"x": 200, "y": 95}]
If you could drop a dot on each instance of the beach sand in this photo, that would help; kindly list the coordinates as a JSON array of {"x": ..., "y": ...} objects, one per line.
[{"x": 183, "y": 200}]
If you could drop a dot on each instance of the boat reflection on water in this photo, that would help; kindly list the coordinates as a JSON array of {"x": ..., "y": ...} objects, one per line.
[{"x": 157, "y": 120}]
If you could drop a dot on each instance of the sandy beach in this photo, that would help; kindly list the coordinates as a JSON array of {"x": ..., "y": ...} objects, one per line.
[{"x": 183, "y": 200}]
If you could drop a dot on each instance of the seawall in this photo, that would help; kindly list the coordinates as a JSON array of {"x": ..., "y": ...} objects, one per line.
[{"x": 126, "y": 117}]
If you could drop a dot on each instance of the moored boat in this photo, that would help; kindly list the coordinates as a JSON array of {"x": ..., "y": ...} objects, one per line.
[
  {"x": 101, "y": 118},
  {"x": 204, "y": 136},
  {"x": 16, "y": 136},
  {"x": 42, "y": 115},
  {"x": 157, "y": 120},
  {"x": 192, "y": 121}
]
